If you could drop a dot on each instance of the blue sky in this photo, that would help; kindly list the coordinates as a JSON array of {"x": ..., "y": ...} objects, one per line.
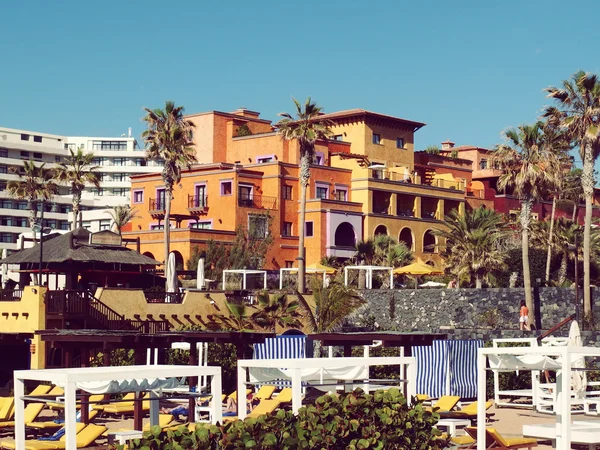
[{"x": 469, "y": 69}]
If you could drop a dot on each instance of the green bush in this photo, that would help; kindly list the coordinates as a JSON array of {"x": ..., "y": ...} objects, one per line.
[{"x": 355, "y": 420}]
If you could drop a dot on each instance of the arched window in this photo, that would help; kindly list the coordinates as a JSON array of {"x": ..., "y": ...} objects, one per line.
[
  {"x": 178, "y": 260},
  {"x": 344, "y": 235},
  {"x": 406, "y": 236},
  {"x": 381, "y": 229},
  {"x": 429, "y": 242}
]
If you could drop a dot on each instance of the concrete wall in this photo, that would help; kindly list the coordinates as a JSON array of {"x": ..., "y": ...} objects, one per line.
[{"x": 26, "y": 316}]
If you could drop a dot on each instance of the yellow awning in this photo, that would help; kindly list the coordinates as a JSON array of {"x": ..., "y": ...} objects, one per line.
[{"x": 321, "y": 268}]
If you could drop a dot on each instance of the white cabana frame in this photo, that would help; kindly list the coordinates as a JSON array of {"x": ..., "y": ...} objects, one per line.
[
  {"x": 293, "y": 269},
  {"x": 69, "y": 379},
  {"x": 244, "y": 273},
  {"x": 295, "y": 365},
  {"x": 369, "y": 275},
  {"x": 564, "y": 356}
]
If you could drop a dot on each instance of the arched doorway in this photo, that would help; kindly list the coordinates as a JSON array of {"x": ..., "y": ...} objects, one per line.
[
  {"x": 344, "y": 235},
  {"x": 406, "y": 236},
  {"x": 381, "y": 229},
  {"x": 178, "y": 260},
  {"x": 429, "y": 242}
]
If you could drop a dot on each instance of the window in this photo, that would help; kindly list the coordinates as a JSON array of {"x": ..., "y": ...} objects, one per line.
[
  {"x": 50, "y": 224},
  {"x": 289, "y": 264},
  {"x": 104, "y": 224},
  {"x": 483, "y": 164},
  {"x": 338, "y": 137},
  {"x": 109, "y": 145},
  {"x": 65, "y": 225},
  {"x": 118, "y": 177},
  {"x": 286, "y": 230},
  {"x": 245, "y": 195},
  {"x": 65, "y": 209},
  {"x": 140, "y": 162},
  {"x": 138, "y": 196},
  {"x": 206, "y": 225},
  {"x": 23, "y": 206},
  {"x": 22, "y": 222},
  {"x": 120, "y": 161},
  {"x": 6, "y": 204},
  {"x": 226, "y": 187},
  {"x": 3, "y": 153},
  {"x": 3, "y": 169},
  {"x": 100, "y": 162},
  {"x": 376, "y": 138},
  {"x": 308, "y": 229},
  {"x": 157, "y": 227},
  {"x": 341, "y": 194},
  {"x": 286, "y": 192},
  {"x": 24, "y": 154},
  {"x": 121, "y": 192},
  {"x": 399, "y": 142},
  {"x": 37, "y": 139},
  {"x": 37, "y": 155},
  {"x": 318, "y": 159},
  {"x": 2, "y": 185},
  {"x": 258, "y": 226},
  {"x": 322, "y": 192},
  {"x": 264, "y": 160},
  {"x": 6, "y": 238},
  {"x": 6, "y": 221},
  {"x": 160, "y": 199},
  {"x": 24, "y": 137},
  {"x": 87, "y": 225},
  {"x": 200, "y": 196},
  {"x": 70, "y": 147},
  {"x": 57, "y": 159}
]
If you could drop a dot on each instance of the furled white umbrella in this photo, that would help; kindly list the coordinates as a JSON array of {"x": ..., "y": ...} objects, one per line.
[
  {"x": 578, "y": 377},
  {"x": 171, "y": 274},
  {"x": 4, "y": 268},
  {"x": 200, "y": 282}
]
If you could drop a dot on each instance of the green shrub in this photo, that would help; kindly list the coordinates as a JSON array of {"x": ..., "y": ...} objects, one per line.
[{"x": 355, "y": 420}]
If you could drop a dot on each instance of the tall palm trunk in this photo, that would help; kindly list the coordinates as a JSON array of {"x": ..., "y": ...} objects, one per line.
[
  {"x": 167, "y": 227},
  {"x": 525, "y": 219},
  {"x": 562, "y": 270},
  {"x": 550, "y": 236},
  {"x": 304, "y": 177},
  {"x": 587, "y": 183},
  {"x": 76, "y": 203},
  {"x": 574, "y": 212}
]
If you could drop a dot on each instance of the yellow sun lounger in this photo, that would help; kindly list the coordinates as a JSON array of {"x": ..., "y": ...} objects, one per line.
[
  {"x": 500, "y": 442},
  {"x": 128, "y": 407},
  {"x": 264, "y": 407},
  {"x": 233, "y": 395},
  {"x": 7, "y": 409},
  {"x": 265, "y": 392},
  {"x": 445, "y": 403},
  {"x": 41, "y": 389},
  {"x": 31, "y": 412},
  {"x": 285, "y": 396},
  {"x": 50, "y": 424},
  {"x": 164, "y": 421},
  {"x": 468, "y": 412},
  {"x": 10, "y": 443}
]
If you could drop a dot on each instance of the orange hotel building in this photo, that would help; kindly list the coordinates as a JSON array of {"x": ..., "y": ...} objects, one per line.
[{"x": 367, "y": 179}]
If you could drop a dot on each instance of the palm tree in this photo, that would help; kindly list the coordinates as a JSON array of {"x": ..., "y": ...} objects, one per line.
[
  {"x": 573, "y": 190},
  {"x": 35, "y": 183},
  {"x": 333, "y": 305},
  {"x": 121, "y": 216},
  {"x": 238, "y": 319},
  {"x": 388, "y": 252},
  {"x": 365, "y": 252},
  {"x": 579, "y": 112},
  {"x": 306, "y": 127},
  {"x": 473, "y": 243},
  {"x": 77, "y": 171},
  {"x": 276, "y": 311},
  {"x": 168, "y": 139},
  {"x": 529, "y": 167}
]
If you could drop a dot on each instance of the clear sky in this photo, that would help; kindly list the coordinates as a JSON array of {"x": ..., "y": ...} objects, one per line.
[{"x": 469, "y": 69}]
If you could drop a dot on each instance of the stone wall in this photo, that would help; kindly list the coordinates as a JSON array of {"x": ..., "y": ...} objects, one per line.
[{"x": 477, "y": 313}]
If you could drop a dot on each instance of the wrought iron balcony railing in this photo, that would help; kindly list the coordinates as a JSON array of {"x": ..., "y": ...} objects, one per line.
[
  {"x": 156, "y": 204},
  {"x": 197, "y": 202},
  {"x": 257, "y": 201}
]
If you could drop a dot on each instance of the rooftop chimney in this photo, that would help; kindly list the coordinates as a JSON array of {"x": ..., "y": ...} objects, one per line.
[{"x": 447, "y": 145}]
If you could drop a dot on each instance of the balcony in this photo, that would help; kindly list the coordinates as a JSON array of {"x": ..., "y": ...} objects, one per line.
[
  {"x": 197, "y": 203},
  {"x": 406, "y": 178},
  {"x": 156, "y": 205},
  {"x": 257, "y": 201}
]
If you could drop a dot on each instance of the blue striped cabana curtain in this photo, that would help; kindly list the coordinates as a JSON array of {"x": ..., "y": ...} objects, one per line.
[
  {"x": 448, "y": 368},
  {"x": 281, "y": 347}
]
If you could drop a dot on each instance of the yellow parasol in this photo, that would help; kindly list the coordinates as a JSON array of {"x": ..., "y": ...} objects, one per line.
[
  {"x": 418, "y": 268},
  {"x": 320, "y": 268}
]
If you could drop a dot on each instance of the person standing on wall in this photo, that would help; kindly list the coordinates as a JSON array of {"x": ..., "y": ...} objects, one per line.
[{"x": 524, "y": 316}]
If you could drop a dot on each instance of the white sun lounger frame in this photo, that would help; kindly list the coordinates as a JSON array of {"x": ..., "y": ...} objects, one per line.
[{"x": 516, "y": 393}]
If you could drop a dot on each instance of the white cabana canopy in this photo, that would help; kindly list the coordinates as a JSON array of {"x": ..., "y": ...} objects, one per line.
[
  {"x": 369, "y": 273},
  {"x": 538, "y": 358},
  {"x": 300, "y": 370},
  {"x": 137, "y": 378},
  {"x": 244, "y": 273}
]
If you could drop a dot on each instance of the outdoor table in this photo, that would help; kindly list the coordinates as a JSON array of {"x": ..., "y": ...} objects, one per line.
[
  {"x": 454, "y": 425},
  {"x": 123, "y": 436}
]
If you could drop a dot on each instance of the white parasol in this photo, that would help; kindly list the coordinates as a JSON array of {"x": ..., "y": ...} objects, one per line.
[
  {"x": 200, "y": 282},
  {"x": 171, "y": 274},
  {"x": 578, "y": 377},
  {"x": 4, "y": 268}
]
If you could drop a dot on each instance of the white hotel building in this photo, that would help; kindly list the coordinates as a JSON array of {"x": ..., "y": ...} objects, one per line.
[{"x": 117, "y": 157}]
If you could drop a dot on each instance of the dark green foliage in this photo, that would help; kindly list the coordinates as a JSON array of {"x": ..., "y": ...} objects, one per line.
[
  {"x": 356, "y": 420},
  {"x": 537, "y": 266},
  {"x": 244, "y": 130}
]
